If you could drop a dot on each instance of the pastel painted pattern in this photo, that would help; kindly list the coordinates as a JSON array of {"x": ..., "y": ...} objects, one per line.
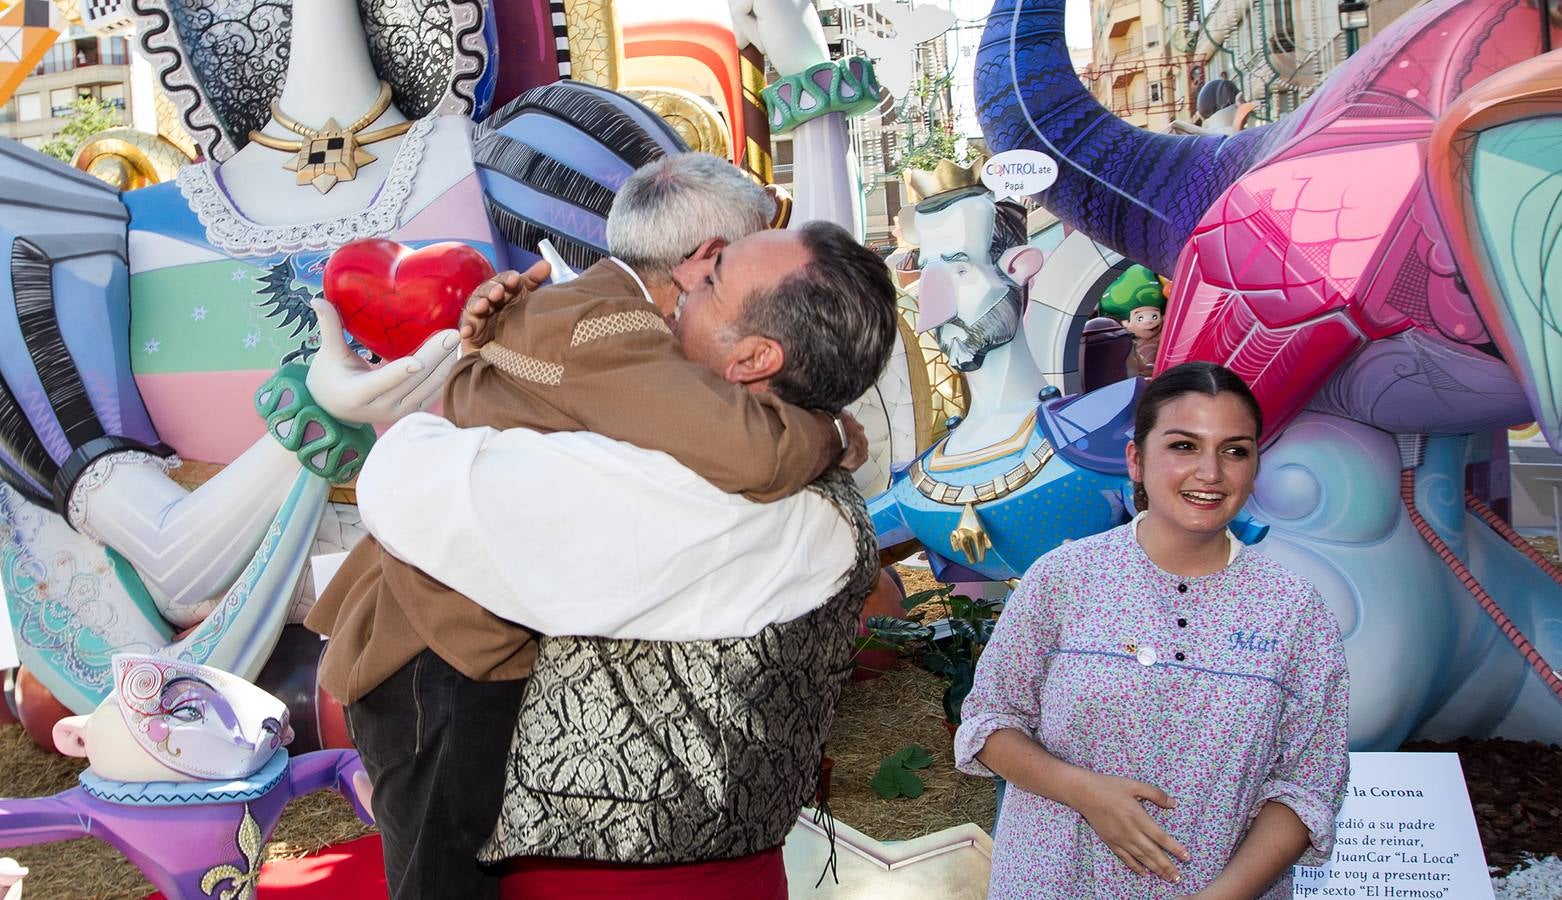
[{"x": 1243, "y": 704}]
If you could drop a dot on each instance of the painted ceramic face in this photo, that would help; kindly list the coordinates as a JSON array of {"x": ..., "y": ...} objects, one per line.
[
  {"x": 1199, "y": 463},
  {"x": 958, "y": 278},
  {"x": 961, "y": 293},
  {"x": 1144, "y": 323},
  {"x": 179, "y": 721}
]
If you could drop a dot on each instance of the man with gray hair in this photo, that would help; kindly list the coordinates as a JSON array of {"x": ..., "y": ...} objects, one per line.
[
  {"x": 430, "y": 681},
  {"x": 676, "y": 205}
]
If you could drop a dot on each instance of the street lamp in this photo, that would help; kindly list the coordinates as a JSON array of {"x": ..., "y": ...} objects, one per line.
[{"x": 1353, "y": 18}]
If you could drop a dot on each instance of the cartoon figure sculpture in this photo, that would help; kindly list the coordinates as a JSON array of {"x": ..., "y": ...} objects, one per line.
[
  {"x": 1362, "y": 294},
  {"x": 1137, "y": 300},
  {"x": 188, "y": 775},
  {"x": 1221, "y": 110},
  {"x": 994, "y": 494}
]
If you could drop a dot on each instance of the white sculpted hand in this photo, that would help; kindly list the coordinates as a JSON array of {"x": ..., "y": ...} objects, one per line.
[
  {"x": 348, "y": 388},
  {"x": 786, "y": 31}
]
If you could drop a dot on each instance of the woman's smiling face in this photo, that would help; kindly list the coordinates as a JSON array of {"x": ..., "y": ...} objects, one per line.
[{"x": 1199, "y": 462}]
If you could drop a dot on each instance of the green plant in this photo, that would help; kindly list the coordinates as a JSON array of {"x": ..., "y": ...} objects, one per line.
[
  {"x": 938, "y": 144},
  {"x": 896, "y": 778},
  {"x": 88, "y": 116},
  {"x": 950, "y": 656}
]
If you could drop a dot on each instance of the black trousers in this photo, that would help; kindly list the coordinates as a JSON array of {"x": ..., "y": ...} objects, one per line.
[{"x": 434, "y": 744}]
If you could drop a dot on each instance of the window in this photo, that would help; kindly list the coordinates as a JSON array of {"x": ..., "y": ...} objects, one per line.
[
  {"x": 60, "y": 58},
  {"x": 783, "y": 155},
  {"x": 36, "y": 143},
  {"x": 29, "y": 107},
  {"x": 1152, "y": 36},
  {"x": 7, "y": 113},
  {"x": 60, "y": 100},
  {"x": 114, "y": 51},
  {"x": 1282, "y": 17},
  {"x": 1155, "y": 93},
  {"x": 113, "y": 95}
]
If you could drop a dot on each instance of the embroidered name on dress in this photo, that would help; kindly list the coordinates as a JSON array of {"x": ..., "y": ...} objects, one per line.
[
  {"x": 1254, "y": 642},
  {"x": 519, "y": 365},
  {"x": 588, "y": 330}
]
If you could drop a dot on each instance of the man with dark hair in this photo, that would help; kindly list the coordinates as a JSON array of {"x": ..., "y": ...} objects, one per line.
[
  {"x": 677, "y": 738},
  {"x": 813, "y": 291},
  {"x": 831, "y": 313}
]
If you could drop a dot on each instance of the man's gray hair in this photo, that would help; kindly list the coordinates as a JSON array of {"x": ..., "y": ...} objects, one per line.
[{"x": 669, "y": 207}]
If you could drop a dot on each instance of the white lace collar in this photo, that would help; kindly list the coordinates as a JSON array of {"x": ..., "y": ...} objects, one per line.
[{"x": 227, "y": 228}]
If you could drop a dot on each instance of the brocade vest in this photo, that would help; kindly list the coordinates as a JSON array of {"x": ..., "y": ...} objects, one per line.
[{"x": 675, "y": 752}]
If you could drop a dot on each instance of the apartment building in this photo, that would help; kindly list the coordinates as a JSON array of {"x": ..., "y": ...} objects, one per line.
[
  {"x": 1131, "y": 71},
  {"x": 79, "y": 64}
]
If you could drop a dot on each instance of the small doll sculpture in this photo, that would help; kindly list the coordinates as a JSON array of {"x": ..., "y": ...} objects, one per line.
[
  {"x": 188, "y": 774},
  {"x": 1138, "y": 299}
]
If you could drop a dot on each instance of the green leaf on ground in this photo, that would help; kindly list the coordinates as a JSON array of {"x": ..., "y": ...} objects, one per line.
[
  {"x": 913, "y": 757},
  {"x": 885, "y": 784}
]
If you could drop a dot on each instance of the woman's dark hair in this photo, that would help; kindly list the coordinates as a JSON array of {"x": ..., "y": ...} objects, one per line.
[{"x": 1204, "y": 378}]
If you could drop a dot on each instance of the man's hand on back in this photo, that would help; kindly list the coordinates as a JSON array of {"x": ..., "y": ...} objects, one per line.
[
  {"x": 856, "y": 443},
  {"x": 490, "y": 297}
]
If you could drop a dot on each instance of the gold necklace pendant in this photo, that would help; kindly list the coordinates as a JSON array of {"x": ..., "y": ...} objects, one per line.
[{"x": 329, "y": 155}]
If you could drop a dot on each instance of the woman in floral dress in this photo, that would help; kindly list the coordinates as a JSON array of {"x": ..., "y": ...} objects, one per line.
[{"x": 1168, "y": 707}]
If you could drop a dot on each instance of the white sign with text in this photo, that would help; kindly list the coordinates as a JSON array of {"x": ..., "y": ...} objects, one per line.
[
  {"x": 1406, "y": 832},
  {"x": 1019, "y": 173}
]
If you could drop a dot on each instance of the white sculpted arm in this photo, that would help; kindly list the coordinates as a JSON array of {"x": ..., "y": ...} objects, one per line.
[
  {"x": 827, "y": 186},
  {"x": 189, "y": 546},
  {"x": 789, "y": 34}
]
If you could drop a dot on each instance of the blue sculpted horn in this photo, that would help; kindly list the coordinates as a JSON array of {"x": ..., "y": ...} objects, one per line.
[{"x": 1138, "y": 192}]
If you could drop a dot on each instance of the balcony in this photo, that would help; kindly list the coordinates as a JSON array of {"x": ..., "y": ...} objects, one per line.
[{"x": 83, "y": 53}]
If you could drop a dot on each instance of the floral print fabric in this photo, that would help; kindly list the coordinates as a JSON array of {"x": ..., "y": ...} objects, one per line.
[{"x": 1226, "y": 691}]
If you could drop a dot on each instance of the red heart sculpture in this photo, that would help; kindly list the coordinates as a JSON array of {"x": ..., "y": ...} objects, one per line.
[{"x": 392, "y": 297}]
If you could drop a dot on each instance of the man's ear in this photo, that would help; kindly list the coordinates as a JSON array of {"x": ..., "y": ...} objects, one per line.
[
  {"x": 754, "y": 358},
  {"x": 709, "y": 249}
]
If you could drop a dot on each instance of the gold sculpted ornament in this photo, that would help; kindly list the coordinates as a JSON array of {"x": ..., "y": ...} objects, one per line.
[
  {"x": 330, "y": 153},
  {"x": 969, "y": 538}
]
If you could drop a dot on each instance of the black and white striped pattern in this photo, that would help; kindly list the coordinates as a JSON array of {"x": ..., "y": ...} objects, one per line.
[
  {"x": 107, "y": 16},
  {"x": 560, "y": 36},
  {"x": 561, "y": 201}
]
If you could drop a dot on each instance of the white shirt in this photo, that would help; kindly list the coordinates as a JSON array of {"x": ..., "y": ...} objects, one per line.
[{"x": 573, "y": 533}]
